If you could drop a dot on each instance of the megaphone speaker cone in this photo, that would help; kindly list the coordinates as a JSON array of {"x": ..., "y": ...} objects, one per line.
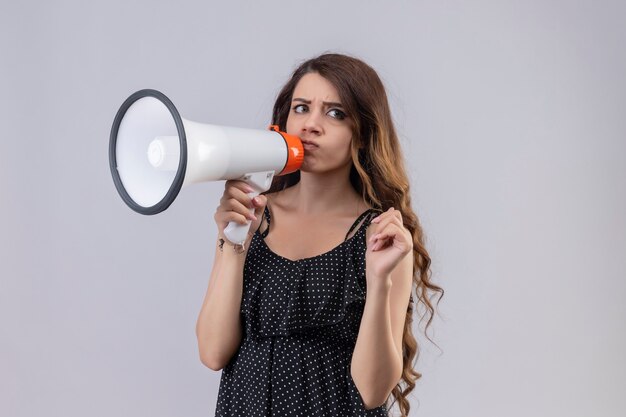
[{"x": 134, "y": 149}]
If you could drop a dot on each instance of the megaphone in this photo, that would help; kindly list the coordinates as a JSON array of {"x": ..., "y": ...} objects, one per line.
[{"x": 153, "y": 153}]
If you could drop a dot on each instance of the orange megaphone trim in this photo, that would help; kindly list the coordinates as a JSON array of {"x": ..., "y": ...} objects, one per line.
[{"x": 295, "y": 151}]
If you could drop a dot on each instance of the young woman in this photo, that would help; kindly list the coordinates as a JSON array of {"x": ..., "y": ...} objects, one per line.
[{"x": 313, "y": 317}]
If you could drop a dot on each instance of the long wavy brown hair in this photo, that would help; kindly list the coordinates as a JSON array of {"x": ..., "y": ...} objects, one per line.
[{"x": 377, "y": 173}]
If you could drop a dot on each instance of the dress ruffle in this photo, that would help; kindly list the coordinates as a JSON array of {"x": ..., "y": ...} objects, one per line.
[{"x": 300, "y": 310}]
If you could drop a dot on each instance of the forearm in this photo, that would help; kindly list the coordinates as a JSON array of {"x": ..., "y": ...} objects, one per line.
[
  {"x": 376, "y": 367},
  {"x": 218, "y": 328}
]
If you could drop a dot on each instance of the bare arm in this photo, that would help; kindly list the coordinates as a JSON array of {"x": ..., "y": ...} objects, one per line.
[
  {"x": 377, "y": 363},
  {"x": 219, "y": 328}
]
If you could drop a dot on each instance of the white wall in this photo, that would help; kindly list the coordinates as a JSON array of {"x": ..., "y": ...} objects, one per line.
[{"x": 512, "y": 119}]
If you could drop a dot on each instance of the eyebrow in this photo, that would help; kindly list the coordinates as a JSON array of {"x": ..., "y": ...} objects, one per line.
[{"x": 326, "y": 103}]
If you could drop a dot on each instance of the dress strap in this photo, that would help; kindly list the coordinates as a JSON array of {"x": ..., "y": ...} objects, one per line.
[
  {"x": 358, "y": 220},
  {"x": 266, "y": 213}
]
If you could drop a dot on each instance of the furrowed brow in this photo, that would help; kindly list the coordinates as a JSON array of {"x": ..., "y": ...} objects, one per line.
[{"x": 326, "y": 103}]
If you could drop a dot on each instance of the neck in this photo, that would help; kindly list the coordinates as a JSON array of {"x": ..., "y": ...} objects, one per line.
[{"x": 317, "y": 194}]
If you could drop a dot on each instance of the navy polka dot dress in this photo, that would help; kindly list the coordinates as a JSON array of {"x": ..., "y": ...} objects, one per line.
[{"x": 300, "y": 324}]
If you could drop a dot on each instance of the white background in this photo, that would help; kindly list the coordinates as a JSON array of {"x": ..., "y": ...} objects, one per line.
[{"x": 512, "y": 119}]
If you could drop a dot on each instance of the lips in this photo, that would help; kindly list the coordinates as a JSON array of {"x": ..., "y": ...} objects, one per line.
[{"x": 309, "y": 144}]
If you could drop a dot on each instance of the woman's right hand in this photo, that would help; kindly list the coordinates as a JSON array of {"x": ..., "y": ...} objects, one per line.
[{"x": 234, "y": 206}]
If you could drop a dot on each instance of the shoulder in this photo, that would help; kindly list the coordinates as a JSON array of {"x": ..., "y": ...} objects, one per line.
[
  {"x": 275, "y": 205},
  {"x": 279, "y": 199}
]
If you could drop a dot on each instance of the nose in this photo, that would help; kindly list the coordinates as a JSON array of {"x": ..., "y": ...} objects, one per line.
[{"x": 312, "y": 123}]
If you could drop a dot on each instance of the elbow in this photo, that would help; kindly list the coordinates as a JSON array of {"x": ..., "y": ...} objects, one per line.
[
  {"x": 211, "y": 363},
  {"x": 371, "y": 398},
  {"x": 374, "y": 397},
  {"x": 207, "y": 356},
  {"x": 371, "y": 402},
  {"x": 210, "y": 359},
  {"x": 216, "y": 353}
]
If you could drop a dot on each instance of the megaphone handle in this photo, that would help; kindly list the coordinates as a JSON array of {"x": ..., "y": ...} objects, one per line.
[
  {"x": 260, "y": 182},
  {"x": 237, "y": 233}
]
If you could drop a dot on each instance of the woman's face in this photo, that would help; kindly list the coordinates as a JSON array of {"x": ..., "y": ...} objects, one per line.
[{"x": 317, "y": 115}]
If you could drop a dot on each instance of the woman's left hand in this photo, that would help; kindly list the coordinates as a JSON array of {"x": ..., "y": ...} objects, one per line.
[{"x": 389, "y": 245}]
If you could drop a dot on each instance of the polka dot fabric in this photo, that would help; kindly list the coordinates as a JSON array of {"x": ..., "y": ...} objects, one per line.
[{"x": 300, "y": 324}]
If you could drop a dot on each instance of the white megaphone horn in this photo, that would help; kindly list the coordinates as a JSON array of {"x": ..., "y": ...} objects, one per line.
[{"x": 153, "y": 153}]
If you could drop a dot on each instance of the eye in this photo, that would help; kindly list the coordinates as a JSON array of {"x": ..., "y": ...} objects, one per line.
[
  {"x": 299, "y": 108},
  {"x": 337, "y": 114}
]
